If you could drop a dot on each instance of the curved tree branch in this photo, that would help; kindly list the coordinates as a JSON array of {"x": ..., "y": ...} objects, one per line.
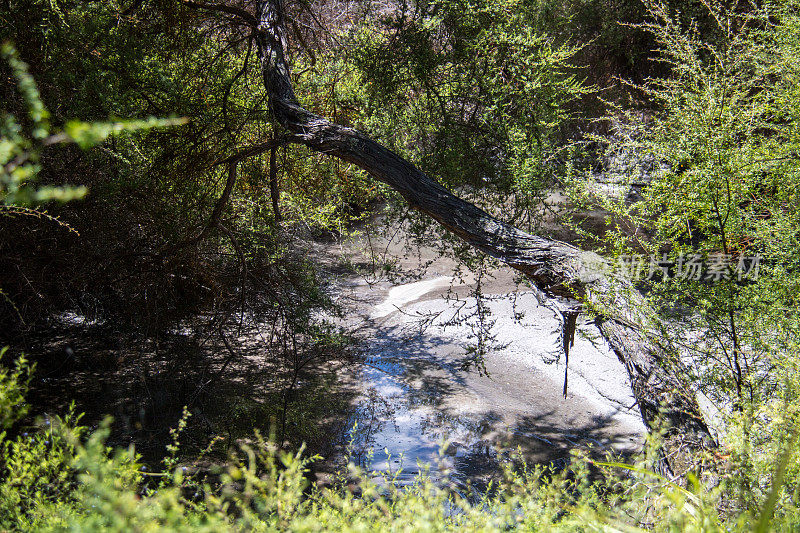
[
  {"x": 557, "y": 268},
  {"x": 233, "y": 164},
  {"x": 257, "y": 149}
]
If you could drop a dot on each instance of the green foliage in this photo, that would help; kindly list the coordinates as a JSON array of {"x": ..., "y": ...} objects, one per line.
[
  {"x": 475, "y": 92},
  {"x": 13, "y": 387},
  {"x": 19, "y": 150},
  {"x": 37, "y": 475},
  {"x": 719, "y": 158},
  {"x": 88, "y": 135},
  {"x": 480, "y": 93},
  {"x": 61, "y": 476},
  {"x": 20, "y": 147},
  {"x": 154, "y": 190}
]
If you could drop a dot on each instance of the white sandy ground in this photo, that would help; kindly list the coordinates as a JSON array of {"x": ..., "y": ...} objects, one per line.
[
  {"x": 417, "y": 395},
  {"x": 528, "y": 335},
  {"x": 401, "y": 295}
]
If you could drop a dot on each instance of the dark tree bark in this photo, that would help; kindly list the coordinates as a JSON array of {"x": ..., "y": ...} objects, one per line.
[
  {"x": 556, "y": 268},
  {"x": 274, "y": 192}
]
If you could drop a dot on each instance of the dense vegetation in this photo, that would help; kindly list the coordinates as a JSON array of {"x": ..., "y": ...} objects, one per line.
[{"x": 147, "y": 190}]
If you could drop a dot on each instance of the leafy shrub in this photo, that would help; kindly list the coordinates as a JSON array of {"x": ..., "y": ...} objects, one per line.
[
  {"x": 717, "y": 164},
  {"x": 63, "y": 477}
]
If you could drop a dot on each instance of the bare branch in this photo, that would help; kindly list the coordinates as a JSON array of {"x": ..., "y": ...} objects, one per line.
[{"x": 239, "y": 13}]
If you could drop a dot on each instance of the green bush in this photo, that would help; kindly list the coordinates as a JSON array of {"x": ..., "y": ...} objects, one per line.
[
  {"x": 717, "y": 161},
  {"x": 61, "y": 476}
]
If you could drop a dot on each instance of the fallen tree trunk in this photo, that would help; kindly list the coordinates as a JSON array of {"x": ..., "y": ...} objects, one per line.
[{"x": 556, "y": 268}]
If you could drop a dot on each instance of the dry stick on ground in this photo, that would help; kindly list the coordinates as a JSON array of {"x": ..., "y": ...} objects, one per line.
[{"x": 556, "y": 268}]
